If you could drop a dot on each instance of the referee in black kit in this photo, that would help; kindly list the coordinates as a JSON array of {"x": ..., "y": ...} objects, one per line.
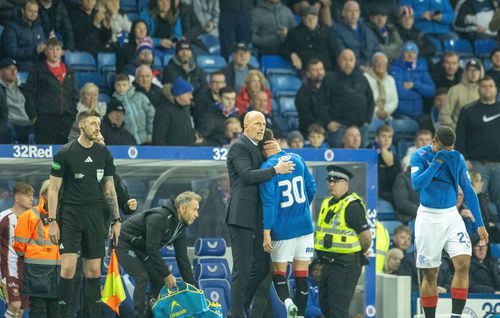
[{"x": 85, "y": 169}]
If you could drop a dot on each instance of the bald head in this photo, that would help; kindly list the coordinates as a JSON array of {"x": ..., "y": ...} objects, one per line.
[
  {"x": 144, "y": 77},
  {"x": 254, "y": 125},
  {"x": 351, "y": 13},
  {"x": 347, "y": 61}
]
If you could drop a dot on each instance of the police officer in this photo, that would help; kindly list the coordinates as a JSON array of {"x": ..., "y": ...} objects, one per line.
[{"x": 342, "y": 238}]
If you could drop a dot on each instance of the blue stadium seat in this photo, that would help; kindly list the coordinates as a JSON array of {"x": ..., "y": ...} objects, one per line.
[
  {"x": 92, "y": 77},
  {"x": 80, "y": 61},
  {"x": 1, "y": 31},
  {"x": 487, "y": 64},
  {"x": 293, "y": 122},
  {"x": 391, "y": 226},
  {"x": 106, "y": 62},
  {"x": 287, "y": 107},
  {"x": 132, "y": 16},
  {"x": 210, "y": 63},
  {"x": 437, "y": 45},
  {"x": 275, "y": 64},
  {"x": 385, "y": 210},
  {"x": 23, "y": 76},
  {"x": 217, "y": 290},
  {"x": 284, "y": 85},
  {"x": 279, "y": 310},
  {"x": 215, "y": 270},
  {"x": 211, "y": 42},
  {"x": 403, "y": 148},
  {"x": 461, "y": 46},
  {"x": 104, "y": 98},
  {"x": 173, "y": 267},
  {"x": 483, "y": 47},
  {"x": 129, "y": 6},
  {"x": 210, "y": 247},
  {"x": 168, "y": 251},
  {"x": 110, "y": 81},
  {"x": 495, "y": 250},
  {"x": 157, "y": 64},
  {"x": 167, "y": 58}
]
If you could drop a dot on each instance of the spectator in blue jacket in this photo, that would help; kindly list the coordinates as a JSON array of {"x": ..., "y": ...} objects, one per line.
[
  {"x": 313, "y": 309},
  {"x": 413, "y": 81},
  {"x": 434, "y": 17},
  {"x": 355, "y": 35},
  {"x": 23, "y": 38}
]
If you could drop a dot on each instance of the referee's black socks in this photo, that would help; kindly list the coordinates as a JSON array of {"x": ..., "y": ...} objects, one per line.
[
  {"x": 93, "y": 297},
  {"x": 64, "y": 296}
]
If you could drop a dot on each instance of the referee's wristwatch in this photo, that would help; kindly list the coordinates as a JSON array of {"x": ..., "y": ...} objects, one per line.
[{"x": 117, "y": 220}]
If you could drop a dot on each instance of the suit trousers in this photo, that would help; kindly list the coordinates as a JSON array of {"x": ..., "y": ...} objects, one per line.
[{"x": 250, "y": 266}]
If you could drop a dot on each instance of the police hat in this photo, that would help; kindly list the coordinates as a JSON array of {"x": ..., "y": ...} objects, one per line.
[{"x": 338, "y": 173}]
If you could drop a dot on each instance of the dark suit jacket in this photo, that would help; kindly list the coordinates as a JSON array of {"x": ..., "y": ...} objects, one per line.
[{"x": 243, "y": 163}]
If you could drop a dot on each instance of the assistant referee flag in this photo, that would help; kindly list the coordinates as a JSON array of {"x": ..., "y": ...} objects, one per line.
[{"x": 113, "y": 293}]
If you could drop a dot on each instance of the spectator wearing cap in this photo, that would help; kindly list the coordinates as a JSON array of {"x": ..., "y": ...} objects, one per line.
[
  {"x": 91, "y": 27},
  {"x": 113, "y": 125},
  {"x": 211, "y": 123},
  {"x": 352, "y": 100},
  {"x": 139, "y": 113},
  {"x": 145, "y": 82},
  {"x": 237, "y": 70},
  {"x": 23, "y": 38},
  {"x": 309, "y": 40},
  {"x": 206, "y": 100},
  {"x": 51, "y": 97},
  {"x": 254, "y": 82},
  {"x": 385, "y": 93},
  {"x": 413, "y": 82},
  {"x": 353, "y": 34},
  {"x": 386, "y": 33},
  {"x": 448, "y": 72},
  {"x": 314, "y": 97},
  {"x": 235, "y": 24},
  {"x": 12, "y": 105},
  {"x": 494, "y": 71},
  {"x": 89, "y": 100},
  {"x": 271, "y": 21},
  {"x": 138, "y": 33},
  {"x": 295, "y": 139},
  {"x": 472, "y": 18},
  {"x": 462, "y": 94},
  {"x": 164, "y": 27},
  {"x": 434, "y": 17},
  {"x": 54, "y": 17},
  {"x": 184, "y": 65},
  {"x": 144, "y": 55},
  {"x": 408, "y": 32},
  {"x": 172, "y": 123}
]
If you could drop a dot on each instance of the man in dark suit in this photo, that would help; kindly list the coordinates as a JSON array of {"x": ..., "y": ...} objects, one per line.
[{"x": 244, "y": 212}]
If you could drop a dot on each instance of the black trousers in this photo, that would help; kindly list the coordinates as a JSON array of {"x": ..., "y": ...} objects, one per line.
[
  {"x": 250, "y": 266},
  {"x": 43, "y": 307},
  {"x": 134, "y": 266},
  {"x": 333, "y": 300}
]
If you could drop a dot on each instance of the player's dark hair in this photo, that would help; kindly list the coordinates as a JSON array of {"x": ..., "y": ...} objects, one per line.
[
  {"x": 268, "y": 135},
  {"x": 445, "y": 135},
  {"x": 86, "y": 114}
]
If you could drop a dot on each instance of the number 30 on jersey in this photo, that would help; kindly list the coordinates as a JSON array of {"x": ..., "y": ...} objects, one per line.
[{"x": 293, "y": 191}]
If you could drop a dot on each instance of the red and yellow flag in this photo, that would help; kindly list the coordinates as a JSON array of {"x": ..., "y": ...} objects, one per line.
[{"x": 113, "y": 292}]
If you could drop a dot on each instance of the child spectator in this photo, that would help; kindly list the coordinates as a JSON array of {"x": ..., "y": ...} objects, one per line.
[
  {"x": 316, "y": 137},
  {"x": 232, "y": 130},
  {"x": 139, "y": 113},
  {"x": 295, "y": 139},
  {"x": 402, "y": 238},
  {"x": 483, "y": 274}
]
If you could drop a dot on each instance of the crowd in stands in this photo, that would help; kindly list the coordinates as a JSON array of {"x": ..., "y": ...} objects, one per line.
[{"x": 379, "y": 74}]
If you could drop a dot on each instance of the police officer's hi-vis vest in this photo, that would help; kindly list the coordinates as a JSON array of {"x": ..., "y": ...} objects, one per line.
[{"x": 333, "y": 234}]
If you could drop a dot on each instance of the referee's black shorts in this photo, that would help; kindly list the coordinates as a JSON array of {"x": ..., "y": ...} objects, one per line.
[{"x": 82, "y": 230}]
